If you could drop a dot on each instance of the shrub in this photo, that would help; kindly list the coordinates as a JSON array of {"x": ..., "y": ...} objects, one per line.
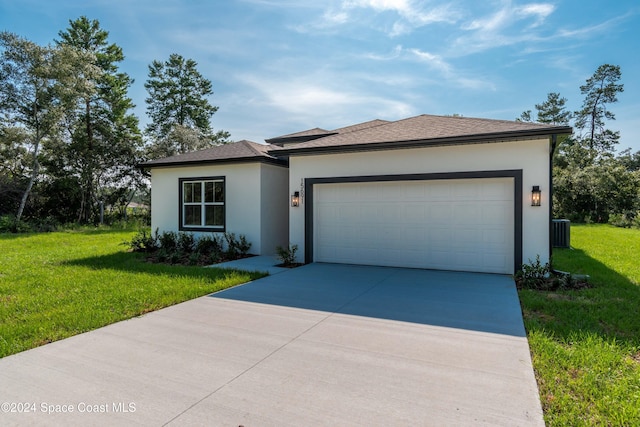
[
  {"x": 625, "y": 220},
  {"x": 47, "y": 224},
  {"x": 168, "y": 241},
  {"x": 287, "y": 255},
  {"x": 534, "y": 275},
  {"x": 210, "y": 247},
  {"x": 143, "y": 241},
  {"x": 538, "y": 276},
  {"x": 8, "y": 224},
  {"x": 183, "y": 248},
  {"x": 621, "y": 220},
  {"x": 236, "y": 247},
  {"x": 186, "y": 242},
  {"x": 244, "y": 245}
]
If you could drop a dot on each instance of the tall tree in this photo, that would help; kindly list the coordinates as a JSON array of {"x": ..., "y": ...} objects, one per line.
[
  {"x": 600, "y": 90},
  {"x": 179, "y": 108},
  {"x": 28, "y": 101},
  {"x": 104, "y": 135},
  {"x": 554, "y": 111}
]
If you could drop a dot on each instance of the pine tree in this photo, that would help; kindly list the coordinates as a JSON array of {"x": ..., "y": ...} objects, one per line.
[
  {"x": 179, "y": 109},
  {"x": 601, "y": 89},
  {"x": 104, "y": 139}
]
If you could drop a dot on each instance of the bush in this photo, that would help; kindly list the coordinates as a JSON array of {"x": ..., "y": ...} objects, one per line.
[
  {"x": 236, "y": 247},
  {"x": 47, "y": 225},
  {"x": 8, "y": 224},
  {"x": 168, "y": 241},
  {"x": 210, "y": 247},
  {"x": 144, "y": 242},
  {"x": 183, "y": 248},
  {"x": 533, "y": 275},
  {"x": 287, "y": 255},
  {"x": 186, "y": 242},
  {"x": 625, "y": 220},
  {"x": 541, "y": 277}
]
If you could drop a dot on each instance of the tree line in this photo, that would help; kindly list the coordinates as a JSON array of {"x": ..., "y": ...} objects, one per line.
[
  {"x": 592, "y": 182},
  {"x": 69, "y": 142}
]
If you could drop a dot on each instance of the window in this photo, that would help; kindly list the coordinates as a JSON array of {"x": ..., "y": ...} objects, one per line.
[{"x": 202, "y": 204}]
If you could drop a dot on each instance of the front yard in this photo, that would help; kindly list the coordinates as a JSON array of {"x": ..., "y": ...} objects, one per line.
[
  {"x": 60, "y": 284},
  {"x": 585, "y": 344}
]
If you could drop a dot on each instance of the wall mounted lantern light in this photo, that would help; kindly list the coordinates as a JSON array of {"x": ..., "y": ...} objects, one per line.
[
  {"x": 535, "y": 195},
  {"x": 295, "y": 199}
]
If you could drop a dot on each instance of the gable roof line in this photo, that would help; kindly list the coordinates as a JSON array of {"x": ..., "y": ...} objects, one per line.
[
  {"x": 428, "y": 142},
  {"x": 267, "y": 160},
  {"x": 236, "y": 152},
  {"x": 425, "y": 128},
  {"x": 318, "y": 133}
]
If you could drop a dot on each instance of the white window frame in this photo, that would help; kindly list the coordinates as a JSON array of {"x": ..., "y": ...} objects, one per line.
[{"x": 202, "y": 203}]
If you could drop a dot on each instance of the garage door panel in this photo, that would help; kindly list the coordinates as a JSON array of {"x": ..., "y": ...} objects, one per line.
[
  {"x": 414, "y": 191},
  {"x": 440, "y": 190},
  {"x": 440, "y": 213},
  {"x": 448, "y": 224}
]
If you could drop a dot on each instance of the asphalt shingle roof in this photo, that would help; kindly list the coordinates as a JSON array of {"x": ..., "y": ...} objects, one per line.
[
  {"x": 236, "y": 151},
  {"x": 425, "y": 129},
  {"x": 415, "y": 131},
  {"x": 308, "y": 132}
]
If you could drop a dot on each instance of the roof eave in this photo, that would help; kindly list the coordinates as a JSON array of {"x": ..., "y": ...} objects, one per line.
[
  {"x": 298, "y": 139},
  {"x": 267, "y": 160},
  {"x": 434, "y": 142}
]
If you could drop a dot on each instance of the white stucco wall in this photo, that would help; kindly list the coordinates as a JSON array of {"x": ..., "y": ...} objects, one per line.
[
  {"x": 243, "y": 197},
  {"x": 274, "y": 208},
  {"x": 532, "y": 156}
]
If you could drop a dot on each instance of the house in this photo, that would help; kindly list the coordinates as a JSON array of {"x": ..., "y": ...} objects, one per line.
[{"x": 438, "y": 192}]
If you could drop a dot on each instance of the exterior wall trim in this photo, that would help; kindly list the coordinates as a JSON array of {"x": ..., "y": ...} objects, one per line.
[{"x": 516, "y": 174}]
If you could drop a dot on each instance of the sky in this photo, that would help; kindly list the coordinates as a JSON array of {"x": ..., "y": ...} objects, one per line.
[{"x": 283, "y": 66}]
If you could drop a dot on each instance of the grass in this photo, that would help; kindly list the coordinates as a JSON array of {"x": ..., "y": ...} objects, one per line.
[
  {"x": 585, "y": 344},
  {"x": 60, "y": 284}
]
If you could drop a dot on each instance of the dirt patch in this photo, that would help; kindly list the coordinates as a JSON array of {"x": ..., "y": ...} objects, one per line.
[
  {"x": 6, "y": 299},
  {"x": 539, "y": 315}
]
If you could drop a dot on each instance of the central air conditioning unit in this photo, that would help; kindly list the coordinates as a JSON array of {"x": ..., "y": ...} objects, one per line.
[{"x": 561, "y": 230}]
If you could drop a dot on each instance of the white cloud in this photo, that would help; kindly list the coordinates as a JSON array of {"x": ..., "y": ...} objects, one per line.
[
  {"x": 494, "y": 30},
  {"x": 312, "y": 96},
  {"x": 591, "y": 30},
  {"x": 446, "y": 72},
  {"x": 540, "y": 11},
  {"x": 434, "y": 61},
  {"x": 406, "y": 15}
]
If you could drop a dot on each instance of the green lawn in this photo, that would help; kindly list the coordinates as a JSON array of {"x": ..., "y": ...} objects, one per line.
[
  {"x": 60, "y": 284},
  {"x": 585, "y": 344}
]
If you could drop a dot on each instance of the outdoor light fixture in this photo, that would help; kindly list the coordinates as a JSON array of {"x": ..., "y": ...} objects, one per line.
[
  {"x": 535, "y": 195},
  {"x": 295, "y": 199}
]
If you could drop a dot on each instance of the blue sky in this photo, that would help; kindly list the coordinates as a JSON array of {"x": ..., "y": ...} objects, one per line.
[{"x": 281, "y": 66}]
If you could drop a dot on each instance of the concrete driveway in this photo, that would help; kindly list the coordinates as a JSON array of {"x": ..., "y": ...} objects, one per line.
[{"x": 322, "y": 344}]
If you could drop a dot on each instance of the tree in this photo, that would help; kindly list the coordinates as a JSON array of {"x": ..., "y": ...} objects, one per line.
[
  {"x": 104, "y": 140},
  {"x": 525, "y": 117},
  {"x": 553, "y": 110},
  {"x": 596, "y": 191},
  {"x": 179, "y": 109},
  {"x": 601, "y": 89},
  {"x": 28, "y": 100}
]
